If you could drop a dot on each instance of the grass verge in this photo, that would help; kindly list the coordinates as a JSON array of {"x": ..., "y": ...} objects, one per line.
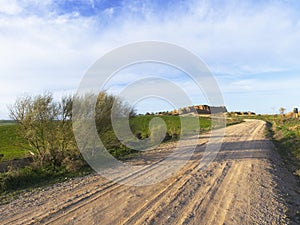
[
  {"x": 15, "y": 182},
  {"x": 285, "y": 134}
]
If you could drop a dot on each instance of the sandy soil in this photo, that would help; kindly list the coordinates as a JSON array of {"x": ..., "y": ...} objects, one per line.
[{"x": 246, "y": 184}]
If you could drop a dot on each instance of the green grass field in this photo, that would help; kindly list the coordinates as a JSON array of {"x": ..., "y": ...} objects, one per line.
[
  {"x": 13, "y": 146},
  {"x": 11, "y": 143},
  {"x": 140, "y": 125}
]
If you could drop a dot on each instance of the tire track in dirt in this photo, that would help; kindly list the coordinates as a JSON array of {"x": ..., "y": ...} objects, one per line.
[
  {"x": 204, "y": 210},
  {"x": 173, "y": 182},
  {"x": 151, "y": 215},
  {"x": 214, "y": 174},
  {"x": 169, "y": 197},
  {"x": 83, "y": 198},
  {"x": 236, "y": 188},
  {"x": 116, "y": 188}
]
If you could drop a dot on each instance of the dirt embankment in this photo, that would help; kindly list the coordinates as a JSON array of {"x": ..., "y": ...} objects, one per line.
[{"x": 246, "y": 184}]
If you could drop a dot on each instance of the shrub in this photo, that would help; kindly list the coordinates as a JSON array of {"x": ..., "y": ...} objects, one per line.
[{"x": 46, "y": 126}]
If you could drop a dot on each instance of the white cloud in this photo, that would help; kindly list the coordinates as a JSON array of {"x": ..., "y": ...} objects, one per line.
[
  {"x": 10, "y": 7},
  {"x": 52, "y": 51},
  {"x": 261, "y": 38},
  {"x": 109, "y": 12}
]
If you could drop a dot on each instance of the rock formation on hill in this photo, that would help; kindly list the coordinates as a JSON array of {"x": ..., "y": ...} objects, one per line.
[{"x": 198, "y": 109}]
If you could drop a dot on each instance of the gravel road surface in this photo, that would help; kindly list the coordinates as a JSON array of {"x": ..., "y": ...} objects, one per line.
[{"x": 246, "y": 184}]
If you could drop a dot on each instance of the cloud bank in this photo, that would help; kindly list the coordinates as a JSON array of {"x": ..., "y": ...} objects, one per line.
[{"x": 251, "y": 46}]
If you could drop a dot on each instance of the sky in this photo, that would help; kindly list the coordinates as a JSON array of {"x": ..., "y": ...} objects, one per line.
[{"x": 251, "y": 47}]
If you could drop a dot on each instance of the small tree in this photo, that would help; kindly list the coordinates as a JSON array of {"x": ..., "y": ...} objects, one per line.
[
  {"x": 281, "y": 110},
  {"x": 46, "y": 125},
  {"x": 91, "y": 109}
]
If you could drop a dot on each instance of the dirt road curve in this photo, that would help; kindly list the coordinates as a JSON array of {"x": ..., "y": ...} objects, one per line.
[{"x": 246, "y": 184}]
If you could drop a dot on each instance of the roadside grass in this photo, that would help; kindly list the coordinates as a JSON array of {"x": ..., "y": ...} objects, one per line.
[
  {"x": 285, "y": 134},
  {"x": 230, "y": 121},
  {"x": 17, "y": 181}
]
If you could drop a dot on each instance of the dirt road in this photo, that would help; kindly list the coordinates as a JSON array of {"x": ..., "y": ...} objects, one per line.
[{"x": 246, "y": 184}]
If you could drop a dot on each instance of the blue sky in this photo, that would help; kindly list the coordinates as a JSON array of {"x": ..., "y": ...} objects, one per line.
[{"x": 252, "y": 47}]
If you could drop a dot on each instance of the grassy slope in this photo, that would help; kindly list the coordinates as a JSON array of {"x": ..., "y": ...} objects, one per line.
[{"x": 285, "y": 134}]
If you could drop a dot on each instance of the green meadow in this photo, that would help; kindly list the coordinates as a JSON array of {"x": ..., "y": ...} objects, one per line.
[{"x": 12, "y": 145}]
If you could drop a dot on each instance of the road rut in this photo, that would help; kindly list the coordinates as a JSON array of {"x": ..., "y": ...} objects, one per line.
[{"x": 245, "y": 184}]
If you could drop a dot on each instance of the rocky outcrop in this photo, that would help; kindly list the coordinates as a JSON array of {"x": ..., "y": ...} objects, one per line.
[{"x": 197, "y": 109}]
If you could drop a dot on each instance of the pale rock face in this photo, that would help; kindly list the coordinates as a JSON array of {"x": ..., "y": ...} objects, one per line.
[{"x": 199, "y": 109}]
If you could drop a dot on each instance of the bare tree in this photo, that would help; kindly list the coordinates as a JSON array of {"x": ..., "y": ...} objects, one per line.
[{"x": 46, "y": 125}]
